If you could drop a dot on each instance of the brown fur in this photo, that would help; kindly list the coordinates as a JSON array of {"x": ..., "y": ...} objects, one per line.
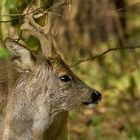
[
  {"x": 8, "y": 77},
  {"x": 38, "y": 96},
  {"x": 35, "y": 102},
  {"x": 32, "y": 99}
]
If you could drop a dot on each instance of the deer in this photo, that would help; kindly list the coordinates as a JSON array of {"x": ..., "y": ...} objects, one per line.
[{"x": 45, "y": 87}]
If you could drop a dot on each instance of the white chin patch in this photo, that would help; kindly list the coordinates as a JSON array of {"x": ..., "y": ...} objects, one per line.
[{"x": 90, "y": 105}]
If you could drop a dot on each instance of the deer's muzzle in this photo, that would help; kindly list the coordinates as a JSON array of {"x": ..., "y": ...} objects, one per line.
[{"x": 95, "y": 99}]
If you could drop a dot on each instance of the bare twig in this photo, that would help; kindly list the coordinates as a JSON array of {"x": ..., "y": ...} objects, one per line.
[
  {"x": 21, "y": 16},
  {"x": 105, "y": 52},
  {"x": 33, "y": 11}
]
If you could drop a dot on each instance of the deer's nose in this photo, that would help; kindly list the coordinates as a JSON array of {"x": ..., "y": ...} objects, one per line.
[{"x": 96, "y": 96}]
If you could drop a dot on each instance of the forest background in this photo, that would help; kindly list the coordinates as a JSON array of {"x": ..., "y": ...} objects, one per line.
[{"x": 85, "y": 30}]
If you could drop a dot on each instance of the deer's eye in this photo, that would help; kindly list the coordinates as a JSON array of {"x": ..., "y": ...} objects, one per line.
[{"x": 65, "y": 78}]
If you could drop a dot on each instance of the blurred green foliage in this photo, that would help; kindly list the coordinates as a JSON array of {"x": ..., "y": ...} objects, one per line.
[
  {"x": 33, "y": 43},
  {"x": 4, "y": 53},
  {"x": 10, "y": 4}
]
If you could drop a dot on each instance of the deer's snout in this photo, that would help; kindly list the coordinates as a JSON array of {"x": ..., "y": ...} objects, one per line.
[{"x": 96, "y": 97}]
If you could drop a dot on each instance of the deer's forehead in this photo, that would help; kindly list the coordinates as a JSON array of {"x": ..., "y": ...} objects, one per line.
[
  {"x": 62, "y": 71},
  {"x": 55, "y": 64},
  {"x": 60, "y": 67}
]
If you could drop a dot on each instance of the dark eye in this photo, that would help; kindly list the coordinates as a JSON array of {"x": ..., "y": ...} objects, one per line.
[{"x": 65, "y": 78}]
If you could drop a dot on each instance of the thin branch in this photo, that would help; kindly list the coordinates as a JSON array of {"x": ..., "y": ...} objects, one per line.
[
  {"x": 21, "y": 16},
  {"x": 11, "y": 15},
  {"x": 105, "y": 52},
  {"x": 33, "y": 11}
]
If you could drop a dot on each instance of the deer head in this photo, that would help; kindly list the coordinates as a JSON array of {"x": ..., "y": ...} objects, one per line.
[
  {"x": 46, "y": 87},
  {"x": 63, "y": 89}
]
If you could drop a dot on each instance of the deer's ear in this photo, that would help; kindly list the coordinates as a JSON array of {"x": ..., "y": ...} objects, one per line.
[{"x": 22, "y": 55}]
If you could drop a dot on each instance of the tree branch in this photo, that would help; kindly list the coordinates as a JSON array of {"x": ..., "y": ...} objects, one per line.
[
  {"x": 18, "y": 16},
  {"x": 105, "y": 52}
]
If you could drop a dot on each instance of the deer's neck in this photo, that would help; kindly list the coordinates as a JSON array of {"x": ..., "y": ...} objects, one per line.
[{"x": 27, "y": 110}]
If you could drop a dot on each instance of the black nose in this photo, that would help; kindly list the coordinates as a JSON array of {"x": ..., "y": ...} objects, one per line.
[{"x": 96, "y": 97}]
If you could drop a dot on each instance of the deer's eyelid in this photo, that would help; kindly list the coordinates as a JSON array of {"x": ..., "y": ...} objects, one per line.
[{"x": 65, "y": 78}]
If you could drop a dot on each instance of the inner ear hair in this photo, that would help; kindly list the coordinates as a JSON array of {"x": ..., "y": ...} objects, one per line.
[{"x": 22, "y": 56}]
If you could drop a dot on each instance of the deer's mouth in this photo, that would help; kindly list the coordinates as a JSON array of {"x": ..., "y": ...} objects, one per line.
[{"x": 90, "y": 104}]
